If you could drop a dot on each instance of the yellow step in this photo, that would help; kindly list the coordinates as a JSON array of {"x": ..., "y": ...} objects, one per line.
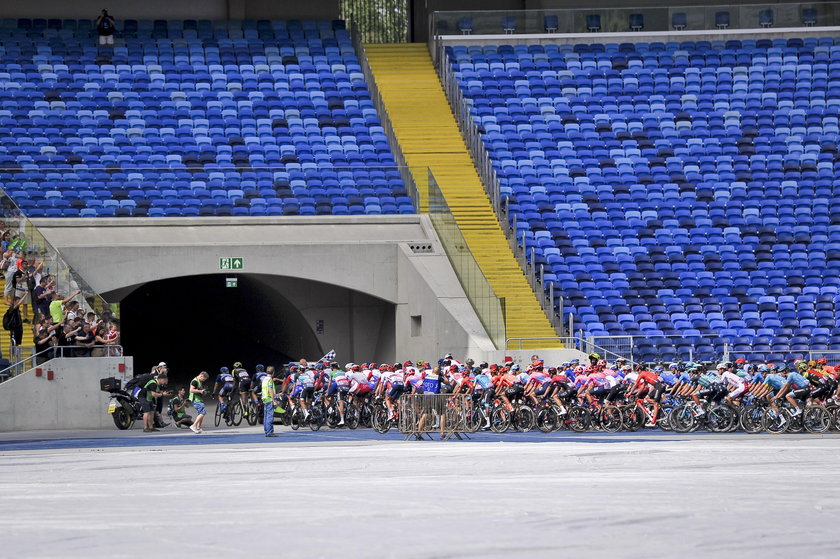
[{"x": 428, "y": 136}]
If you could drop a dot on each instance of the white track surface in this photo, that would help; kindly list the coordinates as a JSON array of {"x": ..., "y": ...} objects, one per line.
[{"x": 357, "y": 494}]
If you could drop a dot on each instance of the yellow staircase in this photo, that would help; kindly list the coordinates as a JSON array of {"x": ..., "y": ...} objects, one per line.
[
  {"x": 429, "y": 137},
  {"x": 28, "y": 338}
]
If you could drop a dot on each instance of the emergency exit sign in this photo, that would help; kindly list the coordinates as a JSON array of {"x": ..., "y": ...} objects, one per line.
[{"x": 231, "y": 263}]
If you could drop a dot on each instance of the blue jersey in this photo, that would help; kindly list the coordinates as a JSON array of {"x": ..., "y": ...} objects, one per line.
[
  {"x": 224, "y": 378},
  {"x": 684, "y": 378},
  {"x": 798, "y": 381},
  {"x": 775, "y": 381},
  {"x": 483, "y": 381},
  {"x": 668, "y": 379}
]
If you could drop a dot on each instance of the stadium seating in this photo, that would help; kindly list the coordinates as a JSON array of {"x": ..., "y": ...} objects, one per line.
[
  {"x": 191, "y": 118},
  {"x": 674, "y": 189}
]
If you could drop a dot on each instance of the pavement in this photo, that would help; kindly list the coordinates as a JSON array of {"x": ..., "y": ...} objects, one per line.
[{"x": 348, "y": 493}]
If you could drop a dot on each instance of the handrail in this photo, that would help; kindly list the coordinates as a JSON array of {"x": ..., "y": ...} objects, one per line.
[
  {"x": 471, "y": 133},
  {"x": 16, "y": 368},
  {"x": 385, "y": 119},
  {"x": 488, "y": 306}
]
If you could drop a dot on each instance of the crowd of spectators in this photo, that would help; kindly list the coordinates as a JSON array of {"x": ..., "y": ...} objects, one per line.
[{"x": 59, "y": 325}]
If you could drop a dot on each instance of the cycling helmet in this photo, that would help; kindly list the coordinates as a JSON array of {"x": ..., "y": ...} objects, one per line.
[
  {"x": 822, "y": 361},
  {"x": 763, "y": 368},
  {"x": 595, "y": 356},
  {"x": 782, "y": 367},
  {"x": 674, "y": 366},
  {"x": 319, "y": 367},
  {"x": 720, "y": 366},
  {"x": 658, "y": 370},
  {"x": 237, "y": 365},
  {"x": 575, "y": 361},
  {"x": 260, "y": 368},
  {"x": 224, "y": 370},
  {"x": 579, "y": 369},
  {"x": 515, "y": 368}
]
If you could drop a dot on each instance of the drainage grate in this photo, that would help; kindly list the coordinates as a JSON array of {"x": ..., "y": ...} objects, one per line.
[{"x": 421, "y": 248}]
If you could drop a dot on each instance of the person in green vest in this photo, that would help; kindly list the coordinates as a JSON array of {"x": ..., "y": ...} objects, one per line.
[
  {"x": 197, "y": 392},
  {"x": 267, "y": 395},
  {"x": 178, "y": 406},
  {"x": 153, "y": 389}
]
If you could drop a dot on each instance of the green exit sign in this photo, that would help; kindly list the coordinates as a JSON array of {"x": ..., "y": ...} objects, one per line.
[
  {"x": 231, "y": 263},
  {"x": 231, "y": 282}
]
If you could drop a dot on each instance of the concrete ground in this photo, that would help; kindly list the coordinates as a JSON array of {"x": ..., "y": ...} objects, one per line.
[{"x": 359, "y": 494}]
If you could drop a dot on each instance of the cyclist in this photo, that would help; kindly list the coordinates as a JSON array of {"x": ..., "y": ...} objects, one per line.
[
  {"x": 256, "y": 384},
  {"x": 306, "y": 380},
  {"x": 243, "y": 384},
  {"x": 649, "y": 388},
  {"x": 796, "y": 388},
  {"x": 736, "y": 386},
  {"x": 342, "y": 388},
  {"x": 226, "y": 381},
  {"x": 394, "y": 382}
]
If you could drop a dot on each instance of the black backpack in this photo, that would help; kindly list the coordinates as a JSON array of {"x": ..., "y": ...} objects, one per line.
[
  {"x": 139, "y": 380},
  {"x": 12, "y": 320}
]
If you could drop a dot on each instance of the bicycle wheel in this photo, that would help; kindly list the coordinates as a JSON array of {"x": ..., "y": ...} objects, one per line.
[
  {"x": 721, "y": 418},
  {"x": 578, "y": 419},
  {"x": 500, "y": 420},
  {"x": 253, "y": 412},
  {"x": 333, "y": 417},
  {"x": 664, "y": 419},
  {"x": 776, "y": 420},
  {"x": 236, "y": 414},
  {"x": 351, "y": 417},
  {"x": 316, "y": 418},
  {"x": 524, "y": 419},
  {"x": 751, "y": 419},
  {"x": 816, "y": 419},
  {"x": 632, "y": 417},
  {"x": 381, "y": 421},
  {"x": 547, "y": 420},
  {"x": 296, "y": 419},
  {"x": 217, "y": 417},
  {"x": 796, "y": 424},
  {"x": 610, "y": 419},
  {"x": 683, "y": 419}
]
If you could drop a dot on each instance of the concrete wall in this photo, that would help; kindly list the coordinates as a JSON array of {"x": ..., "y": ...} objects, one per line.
[
  {"x": 174, "y": 9},
  {"x": 72, "y": 400},
  {"x": 358, "y": 273}
]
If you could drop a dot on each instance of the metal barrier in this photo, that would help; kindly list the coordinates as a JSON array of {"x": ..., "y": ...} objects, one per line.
[
  {"x": 423, "y": 414},
  {"x": 54, "y": 352},
  {"x": 832, "y": 357}
]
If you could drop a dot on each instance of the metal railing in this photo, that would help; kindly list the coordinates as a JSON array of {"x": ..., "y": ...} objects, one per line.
[
  {"x": 55, "y": 352},
  {"x": 831, "y": 356},
  {"x": 67, "y": 280},
  {"x": 629, "y": 346},
  {"x": 446, "y": 414},
  {"x": 414, "y": 182},
  {"x": 638, "y": 19},
  {"x": 489, "y": 308},
  {"x": 492, "y": 186}
]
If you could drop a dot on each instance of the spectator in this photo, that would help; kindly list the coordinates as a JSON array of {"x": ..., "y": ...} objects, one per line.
[
  {"x": 114, "y": 338},
  {"x": 67, "y": 337},
  {"x": 150, "y": 397},
  {"x": 10, "y": 269},
  {"x": 100, "y": 348},
  {"x": 42, "y": 296},
  {"x": 71, "y": 312},
  {"x": 105, "y": 26},
  {"x": 197, "y": 391},
  {"x": 45, "y": 339},
  {"x": 57, "y": 306},
  {"x": 20, "y": 286},
  {"x": 178, "y": 405},
  {"x": 13, "y": 322}
]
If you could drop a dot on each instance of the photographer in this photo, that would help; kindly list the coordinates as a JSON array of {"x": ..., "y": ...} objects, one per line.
[
  {"x": 150, "y": 398},
  {"x": 178, "y": 406},
  {"x": 105, "y": 27}
]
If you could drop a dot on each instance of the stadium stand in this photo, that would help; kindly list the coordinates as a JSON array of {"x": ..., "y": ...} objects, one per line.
[
  {"x": 190, "y": 118},
  {"x": 680, "y": 190}
]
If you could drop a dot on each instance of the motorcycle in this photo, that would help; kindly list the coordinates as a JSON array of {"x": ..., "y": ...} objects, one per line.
[{"x": 124, "y": 406}]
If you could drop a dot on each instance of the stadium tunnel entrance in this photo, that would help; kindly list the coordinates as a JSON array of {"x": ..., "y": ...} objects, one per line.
[{"x": 200, "y": 322}]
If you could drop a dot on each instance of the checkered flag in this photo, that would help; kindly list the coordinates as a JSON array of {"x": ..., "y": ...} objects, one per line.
[{"x": 330, "y": 356}]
